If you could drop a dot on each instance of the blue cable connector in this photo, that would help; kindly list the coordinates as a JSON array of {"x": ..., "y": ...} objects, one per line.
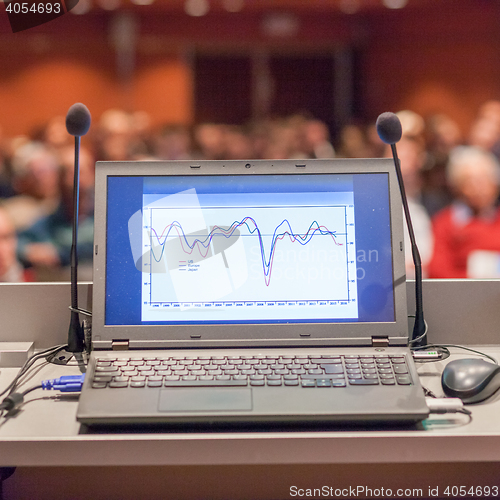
[{"x": 66, "y": 383}]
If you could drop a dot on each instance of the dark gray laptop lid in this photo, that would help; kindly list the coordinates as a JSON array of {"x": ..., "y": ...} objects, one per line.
[{"x": 257, "y": 253}]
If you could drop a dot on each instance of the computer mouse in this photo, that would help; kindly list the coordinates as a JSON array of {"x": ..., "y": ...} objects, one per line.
[{"x": 471, "y": 379}]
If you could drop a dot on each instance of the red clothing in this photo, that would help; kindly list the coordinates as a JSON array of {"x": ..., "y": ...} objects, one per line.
[{"x": 456, "y": 236}]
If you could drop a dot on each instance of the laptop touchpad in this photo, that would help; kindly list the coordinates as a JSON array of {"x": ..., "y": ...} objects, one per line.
[{"x": 205, "y": 399}]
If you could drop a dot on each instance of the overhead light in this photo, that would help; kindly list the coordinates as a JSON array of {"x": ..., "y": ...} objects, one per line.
[
  {"x": 233, "y": 5},
  {"x": 282, "y": 25},
  {"x": 197, "y": 8},
  {"x": 143, "y": 2},
  {"x": 395, "y": 4}
]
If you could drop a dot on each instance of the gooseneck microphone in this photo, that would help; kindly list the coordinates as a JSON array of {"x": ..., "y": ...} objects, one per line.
[
  {"x": 390, "y": 131},
  {"x": 77, "y": 124}
]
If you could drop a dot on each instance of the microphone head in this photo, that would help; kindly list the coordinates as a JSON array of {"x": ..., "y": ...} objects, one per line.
[
  {"x": 78, "y": 120},
  {"x": 389, "y": 128}
]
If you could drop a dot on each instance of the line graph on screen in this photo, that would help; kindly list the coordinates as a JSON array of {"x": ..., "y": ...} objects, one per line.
[
  {"x": 200, "y": 244},
  {"x": 252, "y": 255}
]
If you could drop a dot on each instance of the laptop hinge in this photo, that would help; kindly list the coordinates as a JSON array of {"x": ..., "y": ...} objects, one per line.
[
  {"x": 380, "y": 341},
  {"x": 120, "y": 345}
]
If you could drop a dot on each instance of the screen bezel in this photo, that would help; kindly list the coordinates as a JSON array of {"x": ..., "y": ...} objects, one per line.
[{"x": 258, "y": 334}]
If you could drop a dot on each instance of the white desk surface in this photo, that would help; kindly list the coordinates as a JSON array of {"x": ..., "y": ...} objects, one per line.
[{"x": 45, "y": 433}]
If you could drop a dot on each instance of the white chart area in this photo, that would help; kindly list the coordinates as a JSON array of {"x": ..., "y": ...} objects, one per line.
[{"x": 240, "y": 263}]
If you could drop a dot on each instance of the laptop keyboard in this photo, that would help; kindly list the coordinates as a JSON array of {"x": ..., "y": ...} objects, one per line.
[{"x": 258, "y": 371}]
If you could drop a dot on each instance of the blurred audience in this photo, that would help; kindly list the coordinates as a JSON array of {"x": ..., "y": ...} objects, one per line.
[
  {"x": 467, "y": 233},
  {"x": 11, "y": 269},
  {"x": 317, "y": 140},
  {"x": 35, "y": 184},
  {"x": 114, "y": 136},
  {"x": 46, "y": 245},
  {"x": 442, "y": 135},
  {"x": 173, "y": 142},
  {"x": 455, "y": 187},
  {"x": 485, "y": 130},
  {"x": 411, "y": 153}
]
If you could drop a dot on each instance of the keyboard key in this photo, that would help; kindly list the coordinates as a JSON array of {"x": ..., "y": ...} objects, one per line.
[
  {"x": 353, "y": 370},
  {"x": 316, "y": 377},
  {"x": 308, "y": 383},
  {"x": 315, "y": 371},
  {"x": 274, "y": 382},
  {"x": 403, "y": 379},
  {"x": 104, "y": 363},
  {"x": 163, "y": 372},
  {"x": 387, "y": 381},
  {"x": 257, "y": 382},
  {"x": 385, "y": 370},
  {"x": 138, "y": 384},
  {"x": 136, "y": 362},
  {"x": 338, "y": 383},
  {"x": 154, "y": 383},
  {"x": 400, "y": 369},
  {"x": 368, "y": 364},
  {"x": 99, "y": 385},
  {"x": 118, "y": 385},
  {"x": 397, "y": 359},
  {"x": 337, "y": 368},
  {"x": 323, "y": 382},
  {"x": 363, "y": 381},
  {"x": 264, "y": 372},
  {"x": 107, "y": 369}
]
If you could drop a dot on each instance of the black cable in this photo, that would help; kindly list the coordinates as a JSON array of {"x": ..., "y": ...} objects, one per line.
[
  {"x": 31, "y": 389},
  {"x": 445, "y": 348},
  {"x": 28, "y": 364},
  {"x": 15, "y": 399}
]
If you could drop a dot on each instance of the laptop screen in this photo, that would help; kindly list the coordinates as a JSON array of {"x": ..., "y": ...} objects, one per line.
[{"x": 265, "y": 248}]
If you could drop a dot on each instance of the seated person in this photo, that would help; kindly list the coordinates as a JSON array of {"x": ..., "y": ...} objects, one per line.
[
  {"x": 467, "y": 233},
  {"x": 35, "y": 182},
  {"x": 46, "y": 246},
  {"x": 412, "y": 158},
  {"x": 11, "y": 270}
]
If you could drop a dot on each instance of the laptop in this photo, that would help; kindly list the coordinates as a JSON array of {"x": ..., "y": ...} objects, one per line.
[{"x": 249, "y": 293}]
